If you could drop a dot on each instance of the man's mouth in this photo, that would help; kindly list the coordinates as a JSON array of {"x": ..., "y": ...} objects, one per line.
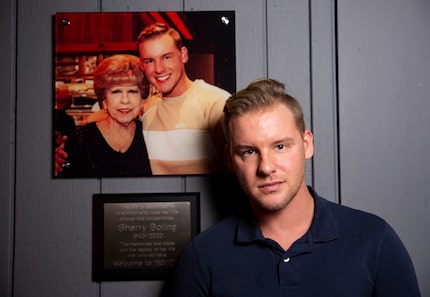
[
  {"x": 270, "y": 187},
  {"x": 162, "y": 78}
]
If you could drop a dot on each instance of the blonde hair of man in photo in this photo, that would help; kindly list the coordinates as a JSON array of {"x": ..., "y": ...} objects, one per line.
[{"x": 183, "y": 131}]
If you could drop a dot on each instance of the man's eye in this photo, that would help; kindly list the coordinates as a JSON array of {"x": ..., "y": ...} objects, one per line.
[
  {"x": 132, "y": 91},
  {"x": 116, "y": 91},
  {"x": 280, "y": 146},
  {"x": 247, "y": 152}
]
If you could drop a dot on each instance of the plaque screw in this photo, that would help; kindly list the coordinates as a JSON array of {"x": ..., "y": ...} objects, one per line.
[{"x": 65, "y": 22}]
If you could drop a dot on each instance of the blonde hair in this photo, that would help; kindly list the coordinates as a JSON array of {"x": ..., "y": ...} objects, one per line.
[
  {"x": 157, "y": 29},
  {"x": 259, "y": 94}
]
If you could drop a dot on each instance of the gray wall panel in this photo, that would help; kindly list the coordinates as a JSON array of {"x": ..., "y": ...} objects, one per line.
[
  {"x": 143, "y": 5},
  {"x": 7, "y": 142},
  {"x": 53, "y": 218},
  {"x": 384, "y": 86},
  {"x": 324, "y": 101}
]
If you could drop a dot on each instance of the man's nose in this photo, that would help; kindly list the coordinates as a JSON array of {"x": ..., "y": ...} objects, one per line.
[
  {"x": 159, "y": 67},
  {"x": 266, "y": 164}
]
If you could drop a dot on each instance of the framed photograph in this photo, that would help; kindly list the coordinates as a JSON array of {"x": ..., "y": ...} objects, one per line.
[
  {"x": 141, "y": 236},
  {"x": 85, "y": 121}
]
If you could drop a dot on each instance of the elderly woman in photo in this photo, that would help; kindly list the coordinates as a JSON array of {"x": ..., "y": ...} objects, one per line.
[{"x": 113, "y": 145}]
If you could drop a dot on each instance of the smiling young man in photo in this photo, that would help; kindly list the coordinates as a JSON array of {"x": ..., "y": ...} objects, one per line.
[{"x": 183, "y": 132}]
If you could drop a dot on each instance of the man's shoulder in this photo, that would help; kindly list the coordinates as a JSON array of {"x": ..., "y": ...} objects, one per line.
[
  {"x": 148, "y": 117},
  {"x": 220, "y": 231},
  {"x": 210, "y": 89},
  {"x": 348, "y": 218},
  {"x": 351, "y": 211}
]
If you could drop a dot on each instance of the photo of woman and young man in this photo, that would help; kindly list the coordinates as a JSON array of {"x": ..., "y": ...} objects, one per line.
[{"x": 143, "y": 95}]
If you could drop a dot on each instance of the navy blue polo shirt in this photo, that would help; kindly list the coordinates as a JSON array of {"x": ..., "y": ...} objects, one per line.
[{"x": 346, "y": 252}]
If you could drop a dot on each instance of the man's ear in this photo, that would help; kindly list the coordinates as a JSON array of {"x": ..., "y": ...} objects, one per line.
[
  {"x": 309, "y": 144},
  {"x": 184, "y": 55}
]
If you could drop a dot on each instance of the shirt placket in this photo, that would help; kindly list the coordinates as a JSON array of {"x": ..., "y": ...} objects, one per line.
[{"x": 289, "y": 264}]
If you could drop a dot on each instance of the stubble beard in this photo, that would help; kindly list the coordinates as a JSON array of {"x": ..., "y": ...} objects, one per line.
[{"x": 265, "y": 203}]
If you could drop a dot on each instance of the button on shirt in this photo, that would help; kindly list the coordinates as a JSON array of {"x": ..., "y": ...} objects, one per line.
[{"x": 346, "y": 252}]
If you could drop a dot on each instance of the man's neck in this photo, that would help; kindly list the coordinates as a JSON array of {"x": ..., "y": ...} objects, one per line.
[
  {"x": 287, "y": 225},
  {"x": 181, "y": 88}
]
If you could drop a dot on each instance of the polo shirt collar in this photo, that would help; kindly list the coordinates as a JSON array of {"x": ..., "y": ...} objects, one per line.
[{"x": 322, "y": 229}]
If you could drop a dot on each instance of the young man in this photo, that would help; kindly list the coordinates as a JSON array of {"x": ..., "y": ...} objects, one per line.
[
  {"x": 289, "y": 241},
  {"x": 183, "y": 132}
]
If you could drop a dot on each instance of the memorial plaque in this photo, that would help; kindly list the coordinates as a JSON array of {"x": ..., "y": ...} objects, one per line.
[{"x": 141, "y": 236}]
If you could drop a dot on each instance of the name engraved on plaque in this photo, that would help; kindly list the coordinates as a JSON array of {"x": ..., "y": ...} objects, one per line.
[{"x": 145, "y": 234}]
